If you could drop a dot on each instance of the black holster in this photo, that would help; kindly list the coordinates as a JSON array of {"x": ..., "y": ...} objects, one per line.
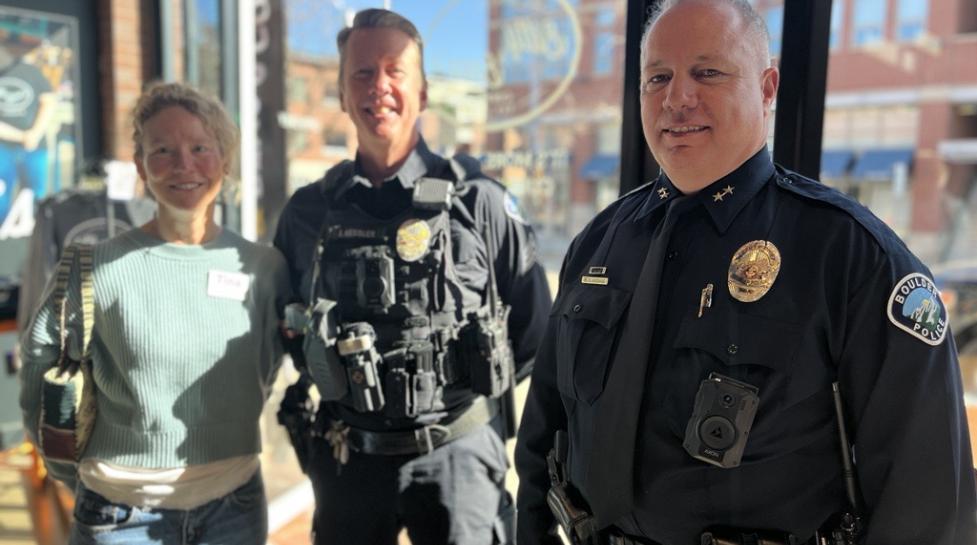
[
  {"x": 297, "y": 416},
  {"x": 578, "y": 524}
]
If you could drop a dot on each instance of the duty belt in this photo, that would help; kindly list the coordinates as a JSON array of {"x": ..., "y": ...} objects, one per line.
[
  {"x": 425, "y": 439},
  {"x": 612, "y": 536}
]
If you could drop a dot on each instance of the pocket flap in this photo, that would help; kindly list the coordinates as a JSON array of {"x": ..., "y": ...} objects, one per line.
[
  {"x": 741, "y": 339},
  {"x": 603, "y": 305}
]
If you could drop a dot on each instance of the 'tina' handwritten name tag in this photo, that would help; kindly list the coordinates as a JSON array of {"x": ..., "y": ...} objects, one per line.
[{"x": 227, "y": 285}]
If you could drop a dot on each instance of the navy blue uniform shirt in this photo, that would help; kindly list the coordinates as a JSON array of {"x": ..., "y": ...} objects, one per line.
[
  {"x": 520, "y": 278},
  {"x": 850, "y": 304}
]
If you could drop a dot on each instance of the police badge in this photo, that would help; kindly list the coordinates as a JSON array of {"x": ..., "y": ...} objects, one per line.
[
  {"x": 916, "y": 308},
  {"x": 753, "y": 270},
  {"x": 413, "y": 239}
]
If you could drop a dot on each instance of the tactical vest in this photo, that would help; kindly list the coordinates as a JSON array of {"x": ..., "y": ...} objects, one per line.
[{"x": 395, "y": 321}]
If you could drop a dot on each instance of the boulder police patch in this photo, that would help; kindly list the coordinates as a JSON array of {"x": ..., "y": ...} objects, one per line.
[
  {"x": 915, "y": 307},
  {"x": 512, "y": 208}
]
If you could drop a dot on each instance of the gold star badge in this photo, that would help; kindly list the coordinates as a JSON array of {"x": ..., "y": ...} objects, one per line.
[
  {"x": 719, "y": 195},
  {"x": 663, "y": 193}
]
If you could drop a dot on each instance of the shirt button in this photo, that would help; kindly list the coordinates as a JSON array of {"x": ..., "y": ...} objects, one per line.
[
  {"x": 672, "y": 255},
  {"x": 732, "y": 349},
  {"x": 577, "y": 308}
]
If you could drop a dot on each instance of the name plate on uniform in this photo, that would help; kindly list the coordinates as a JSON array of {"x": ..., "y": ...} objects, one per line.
[{"x": 594, "y": 280}]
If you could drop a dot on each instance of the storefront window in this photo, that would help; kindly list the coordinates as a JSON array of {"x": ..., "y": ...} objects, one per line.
[
  {"x": 203, "y": 46},
  {"x": 40, "y": 138},
  {"x": 900, "y": 135}
]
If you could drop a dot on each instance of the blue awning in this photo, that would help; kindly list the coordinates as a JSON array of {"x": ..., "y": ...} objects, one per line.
[
  {"x": 877, "y": 164},
  {"x": 835, "y": 163},
  {"x": 601, "y": 165}
]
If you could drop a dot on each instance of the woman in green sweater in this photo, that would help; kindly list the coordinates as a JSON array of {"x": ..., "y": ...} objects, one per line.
[{"x": 184, "y": 351}]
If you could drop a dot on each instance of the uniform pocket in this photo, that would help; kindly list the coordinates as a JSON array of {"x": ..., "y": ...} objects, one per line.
[
  {"x": 588, "y": 328},
  {"x": 741, "y": 339},
  {"x": 752, "y": 349}
]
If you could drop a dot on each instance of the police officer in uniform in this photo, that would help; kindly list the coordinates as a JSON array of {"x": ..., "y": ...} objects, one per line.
[
  {"x": 409, "y": 265},
  {"x": 704, "y": 322}
]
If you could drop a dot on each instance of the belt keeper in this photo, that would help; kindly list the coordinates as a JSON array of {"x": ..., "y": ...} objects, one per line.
[{"x": 423, "y": 436}]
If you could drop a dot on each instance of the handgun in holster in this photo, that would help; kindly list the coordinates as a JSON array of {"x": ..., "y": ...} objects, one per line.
[
  {"x": 843, "y": 529},
  {"x": 297, "y": 414},
  {"x": 578, "y": 524}
]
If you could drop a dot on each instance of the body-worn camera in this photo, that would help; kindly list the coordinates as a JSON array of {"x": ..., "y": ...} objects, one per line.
[
  {"x": 368, "y": 279},
  {"x": 721, "y": 420},
  {"x": 361, "y": 359}
]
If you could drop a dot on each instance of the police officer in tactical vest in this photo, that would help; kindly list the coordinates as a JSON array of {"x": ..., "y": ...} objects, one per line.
[{"x": 407, "y": 265}]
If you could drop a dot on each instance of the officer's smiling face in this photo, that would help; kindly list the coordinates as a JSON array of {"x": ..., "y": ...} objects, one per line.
[
  {"x": 705, "y": 94},
  {"x": 383, "y": 90}
]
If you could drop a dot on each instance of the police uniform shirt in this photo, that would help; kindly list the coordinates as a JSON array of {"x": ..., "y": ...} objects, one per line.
[
  {"x": 520, "y": 279},
  {"x": 847, "y": 304}
]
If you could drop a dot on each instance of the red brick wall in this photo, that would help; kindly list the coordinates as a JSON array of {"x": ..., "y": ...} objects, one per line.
[{"x": 127, "y": 53}]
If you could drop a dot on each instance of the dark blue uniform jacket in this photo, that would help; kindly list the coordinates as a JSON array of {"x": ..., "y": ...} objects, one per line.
[
  {"x": 520, "y": 279},
  {"x": 847, "y": 306}
]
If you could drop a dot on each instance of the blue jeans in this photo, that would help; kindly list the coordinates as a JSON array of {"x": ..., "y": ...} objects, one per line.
[{"x": 240, "y": 517}]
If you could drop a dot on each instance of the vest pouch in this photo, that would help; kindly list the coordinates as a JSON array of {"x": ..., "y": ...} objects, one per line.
[
  {"x": 397, "y": 387},
  {"x": 489, "y": 353},
  {"x": 411, "y": 384},
  {"x": 427, "y": 393}
]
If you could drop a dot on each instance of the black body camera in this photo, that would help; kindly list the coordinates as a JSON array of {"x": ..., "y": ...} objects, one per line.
[
  {"x": 721, "y": 421},
  {"x": 368, "y": 279}
]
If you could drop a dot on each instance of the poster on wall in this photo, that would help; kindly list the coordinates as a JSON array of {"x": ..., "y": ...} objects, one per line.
[{"x": 40, "y": 137}]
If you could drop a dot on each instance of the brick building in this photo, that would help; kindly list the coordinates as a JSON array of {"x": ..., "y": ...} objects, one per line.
[{"x": 900, "y": 123}]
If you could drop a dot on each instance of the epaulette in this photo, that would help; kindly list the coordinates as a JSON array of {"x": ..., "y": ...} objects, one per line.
[
  {"x": 465, "y": 167},
  {"x": 643, "y": 187},
  {"x": 813, "y": 190},
  {"x": 338, "y": 173}
]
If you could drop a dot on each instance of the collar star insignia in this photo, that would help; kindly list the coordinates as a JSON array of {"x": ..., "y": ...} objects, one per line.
[
  {"x": 719, "y": 195},
  {"x": 663, "y": 193}
]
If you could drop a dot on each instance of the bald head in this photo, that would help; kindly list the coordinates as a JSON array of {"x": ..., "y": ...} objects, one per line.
[{"x": 752, "y": 27}]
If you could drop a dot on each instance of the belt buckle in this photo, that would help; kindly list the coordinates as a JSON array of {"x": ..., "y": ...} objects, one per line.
[{"x": 425, "y": 442}]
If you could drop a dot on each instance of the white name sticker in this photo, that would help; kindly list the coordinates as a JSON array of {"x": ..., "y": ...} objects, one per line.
[{"x": 228, "y": 285}]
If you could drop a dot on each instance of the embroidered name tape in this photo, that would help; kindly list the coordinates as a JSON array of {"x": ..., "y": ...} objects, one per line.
[
  {"x": 916, "y": 308},
  {"x": 228, "y": 285}
]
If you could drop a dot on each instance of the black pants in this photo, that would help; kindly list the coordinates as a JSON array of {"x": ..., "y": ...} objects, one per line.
[{"x": 453, "y": 496}]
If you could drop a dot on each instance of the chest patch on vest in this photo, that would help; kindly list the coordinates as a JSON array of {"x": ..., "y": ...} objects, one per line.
[
  {"x": 413, "y": 239},
  {"x": 916, "y": 308}
]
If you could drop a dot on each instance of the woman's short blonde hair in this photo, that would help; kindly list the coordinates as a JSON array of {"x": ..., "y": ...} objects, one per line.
[{"x": 159, "y": 96}]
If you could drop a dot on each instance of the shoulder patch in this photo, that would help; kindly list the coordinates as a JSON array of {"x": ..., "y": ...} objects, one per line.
[
  {"x": 512, "y": 208},
  {"x": 916, "y": 308}
]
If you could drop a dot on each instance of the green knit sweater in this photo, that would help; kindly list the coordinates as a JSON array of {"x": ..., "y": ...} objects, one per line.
[{"x": 182, "y": 364}]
